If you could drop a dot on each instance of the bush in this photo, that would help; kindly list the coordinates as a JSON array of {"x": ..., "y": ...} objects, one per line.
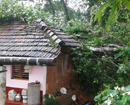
[
  {"x": 50, "y": 100},
  {"x": 118, "y": 96}
]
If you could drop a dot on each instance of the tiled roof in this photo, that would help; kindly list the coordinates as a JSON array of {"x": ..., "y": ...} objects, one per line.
[{"x": 38, "y": 40}]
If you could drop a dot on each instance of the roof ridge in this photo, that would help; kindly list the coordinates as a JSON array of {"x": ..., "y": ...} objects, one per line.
[{"x": 57, "y": 34}]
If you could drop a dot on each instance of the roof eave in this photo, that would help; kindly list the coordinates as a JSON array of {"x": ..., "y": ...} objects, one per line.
[{"x": 27, "y": 61}]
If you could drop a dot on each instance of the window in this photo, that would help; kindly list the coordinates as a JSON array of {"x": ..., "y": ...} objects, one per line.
[{"x": 18, "y": 72}]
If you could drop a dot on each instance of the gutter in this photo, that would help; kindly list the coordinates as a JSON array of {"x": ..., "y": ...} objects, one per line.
[{"x": 27, "y": 61}]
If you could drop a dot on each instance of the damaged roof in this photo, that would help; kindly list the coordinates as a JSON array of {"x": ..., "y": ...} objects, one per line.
[{"x": 36, "y": 40}]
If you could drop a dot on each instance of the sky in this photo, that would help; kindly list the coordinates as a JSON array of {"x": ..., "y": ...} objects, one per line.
[
  {"x": 74, "y": 4},
  {"x": 78, "y": 4}
]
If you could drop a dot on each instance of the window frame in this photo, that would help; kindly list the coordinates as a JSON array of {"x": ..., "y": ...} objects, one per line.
[{"x": 21, "y": 69}]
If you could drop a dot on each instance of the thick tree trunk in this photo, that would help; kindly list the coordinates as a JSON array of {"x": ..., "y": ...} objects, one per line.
[
  {"x": 66, "y": 10},
  {"x": 53, "y": 10},
  {"x": 2, "y": 85}
]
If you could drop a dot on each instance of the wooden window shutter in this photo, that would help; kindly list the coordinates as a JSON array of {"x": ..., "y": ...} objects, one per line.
[
  {"x": 18, "y": 72},
  {"x": 24, "y": 74}
]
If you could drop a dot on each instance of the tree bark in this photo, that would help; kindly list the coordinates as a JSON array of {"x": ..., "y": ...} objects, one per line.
[
  {"x": 66, "y": 10},
  {"x": 53, "y": 11},
  {"x": 2, "y": 85}
]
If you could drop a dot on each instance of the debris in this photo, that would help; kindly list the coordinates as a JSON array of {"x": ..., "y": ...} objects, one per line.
[
  {"x": 74, "y": 97},
  {"x": 63, "y": 90}
]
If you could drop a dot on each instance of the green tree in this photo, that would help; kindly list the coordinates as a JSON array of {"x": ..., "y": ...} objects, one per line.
[
  {"x": 66, "y": 10},
  {"x": 90, "y": 4},
  {"x": 115, "y": 7},
  {"x": 49, "y": 5}
]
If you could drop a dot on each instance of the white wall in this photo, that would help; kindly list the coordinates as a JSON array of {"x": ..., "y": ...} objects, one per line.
[{"x": 37, "y": 73}]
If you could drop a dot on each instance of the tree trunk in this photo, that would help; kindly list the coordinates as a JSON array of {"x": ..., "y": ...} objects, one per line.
[
  {"x": 53, "y": 11},
  {"x": 2, "y": 85},
  {"x": 66, "y": 10}
]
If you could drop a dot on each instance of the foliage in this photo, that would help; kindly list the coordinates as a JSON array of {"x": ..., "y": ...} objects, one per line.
[
  {"x": 87, "y": 63},
  {"x": 50, "y": 100},
  {"x": 11, "y": 10},
  {"x": 91, "y": 3},
  {"x": 93, "y": 11},
  {"x": 124, "y": 56},
  {"x": 119, "y": 33},
  {"x": 118, "y": 96},
  {"x": 88, "y": 70},
  {"x": 73, "y": 26},
  {"x": 59, "y": 11},
  {"x": 114, "y": 7}
]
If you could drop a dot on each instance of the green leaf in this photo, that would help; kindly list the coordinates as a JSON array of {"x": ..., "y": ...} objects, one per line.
[
  {"x": 97, "y": 97},
  {"x": 105, "y": 92},
  {"x": 103, "y": 103},
  {"x": 128, "y": 43},
  {"x": 118, "y": 102},
  {"x": 113, "y": 92},
  {"x": 117, "y": 49},
  {"x": 124, "y": 100},
  {"x": 104, "y": 98},
  {"x": 117, "y": 56},
  {"x": 101, "y": 11},
  {"x": 128, "y": 97},
  {"x": 127, "y": 4},
  {"x": 99, "y": 1},
  {"x": 127, "y": 88},
  {"x": 74, "y": 35},
  {"x": 112, "y": 15},
  {"x": 128, "y": 50}
]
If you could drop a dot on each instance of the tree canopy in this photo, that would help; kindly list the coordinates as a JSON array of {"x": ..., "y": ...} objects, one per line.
[{"x": 116, "y": 9}]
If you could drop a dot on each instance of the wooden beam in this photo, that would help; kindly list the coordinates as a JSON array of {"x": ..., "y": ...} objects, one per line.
[{"x": 65, "y": 49}]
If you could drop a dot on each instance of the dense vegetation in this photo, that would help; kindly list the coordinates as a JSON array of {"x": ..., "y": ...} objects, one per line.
[
  {"x": 12, "y": 10},
  {"x": 105, "y": 23}
]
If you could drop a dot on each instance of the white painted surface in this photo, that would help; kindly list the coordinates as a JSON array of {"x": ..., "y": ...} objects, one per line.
[
  {"x": 37, "y": 73},
  {"x": 44, "y": 80}
]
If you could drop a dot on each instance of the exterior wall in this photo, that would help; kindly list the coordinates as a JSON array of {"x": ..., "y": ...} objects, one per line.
[
  {"x": 37, "y": 73},
  {"x": 60, "y": 75}
]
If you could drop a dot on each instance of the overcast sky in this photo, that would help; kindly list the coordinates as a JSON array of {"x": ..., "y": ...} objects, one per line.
[
  {"x": 78, "y": 4},
  {"x": 74, "y": 4}
]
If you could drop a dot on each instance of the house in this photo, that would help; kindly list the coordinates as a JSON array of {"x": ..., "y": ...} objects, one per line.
[{"x": 36, "y": 52}]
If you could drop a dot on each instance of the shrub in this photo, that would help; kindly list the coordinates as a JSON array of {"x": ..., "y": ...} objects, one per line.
[
  {"x": 50, "y": 100},
  {"x": 118, "y": 96}
]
